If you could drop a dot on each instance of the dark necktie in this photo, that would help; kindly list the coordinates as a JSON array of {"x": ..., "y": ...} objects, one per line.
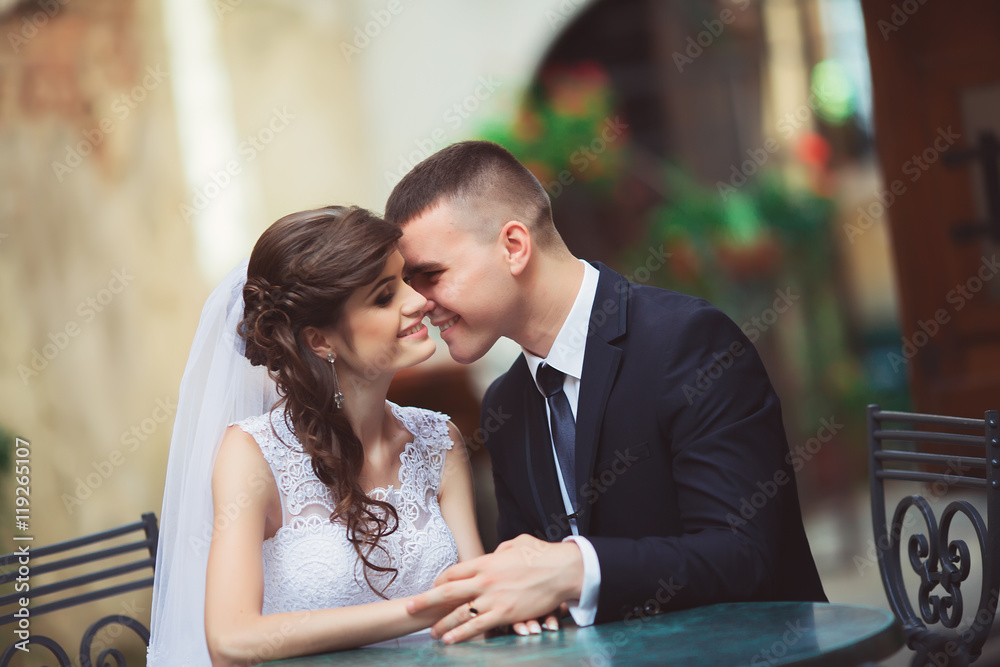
[{"x": 562, "y": 425}]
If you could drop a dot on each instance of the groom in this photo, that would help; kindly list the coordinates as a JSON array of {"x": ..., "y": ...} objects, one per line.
[{"x": 619, "y": 493}]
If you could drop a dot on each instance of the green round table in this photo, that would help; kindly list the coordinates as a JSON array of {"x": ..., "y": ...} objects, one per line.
[{"x": 751, "y": 634}]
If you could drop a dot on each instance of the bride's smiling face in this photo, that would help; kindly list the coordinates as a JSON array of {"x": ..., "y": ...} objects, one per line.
[{"x": 384, "y": 323}]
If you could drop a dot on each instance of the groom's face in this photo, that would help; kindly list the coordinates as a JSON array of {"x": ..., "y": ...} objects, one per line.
[{"x": 462, "y": 276}]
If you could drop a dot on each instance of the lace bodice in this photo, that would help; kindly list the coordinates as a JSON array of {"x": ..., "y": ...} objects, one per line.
[{"x": 310, "y": 564}]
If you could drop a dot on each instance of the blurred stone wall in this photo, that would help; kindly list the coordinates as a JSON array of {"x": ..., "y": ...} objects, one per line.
[
  {"x": 286, "y": 59},
  {"x": 98, "y": 291}
]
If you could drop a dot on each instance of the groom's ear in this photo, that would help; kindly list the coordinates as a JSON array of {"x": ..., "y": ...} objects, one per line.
[{"x": 517, "y": 247}]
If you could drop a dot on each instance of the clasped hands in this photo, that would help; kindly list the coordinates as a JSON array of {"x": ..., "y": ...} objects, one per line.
[{"x": 523, "y": 580}]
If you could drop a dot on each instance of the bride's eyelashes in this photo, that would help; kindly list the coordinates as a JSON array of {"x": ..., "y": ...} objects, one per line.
[{"x": 385, "y": 299}]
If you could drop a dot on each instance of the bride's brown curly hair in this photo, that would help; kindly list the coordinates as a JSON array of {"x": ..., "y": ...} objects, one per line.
[{"x": 302, "y": 270}]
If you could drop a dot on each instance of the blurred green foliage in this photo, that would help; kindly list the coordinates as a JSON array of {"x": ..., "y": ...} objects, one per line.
[{"x": 562, "y": 127}]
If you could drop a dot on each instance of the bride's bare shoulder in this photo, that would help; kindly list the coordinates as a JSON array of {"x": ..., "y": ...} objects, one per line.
[
  {"x": 239, "y": 454},
  {"x": 242, "y": 478}
]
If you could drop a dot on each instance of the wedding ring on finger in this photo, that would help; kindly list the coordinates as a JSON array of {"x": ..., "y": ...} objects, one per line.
[{"x": 473, "y": 612}]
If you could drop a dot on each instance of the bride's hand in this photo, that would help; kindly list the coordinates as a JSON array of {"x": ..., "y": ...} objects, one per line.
[{"x": 534, "y": 627}]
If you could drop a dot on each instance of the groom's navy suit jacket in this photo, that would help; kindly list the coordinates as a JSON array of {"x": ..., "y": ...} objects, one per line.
[{"x": 684, "y": 481}]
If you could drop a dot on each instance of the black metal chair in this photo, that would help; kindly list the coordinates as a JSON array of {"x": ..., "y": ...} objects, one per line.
[
  {"x": 897, "y": 445},
  {"x": 40, "y": 561}
]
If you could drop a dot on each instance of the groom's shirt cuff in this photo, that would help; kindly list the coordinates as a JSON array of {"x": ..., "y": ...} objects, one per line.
[{"x": 585, "y": 610}]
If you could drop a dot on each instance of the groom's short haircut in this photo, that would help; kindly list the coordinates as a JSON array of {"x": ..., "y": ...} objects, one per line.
[{"x": 484, "y": 180}]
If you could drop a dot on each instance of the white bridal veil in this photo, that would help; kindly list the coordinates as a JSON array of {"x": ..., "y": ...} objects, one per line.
[{"x": 219, "y": 387}]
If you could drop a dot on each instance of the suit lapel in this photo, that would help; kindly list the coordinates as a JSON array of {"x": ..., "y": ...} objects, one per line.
[{"x": 600, "y": 367}]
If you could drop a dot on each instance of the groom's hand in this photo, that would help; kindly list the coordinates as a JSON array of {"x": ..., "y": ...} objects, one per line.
[{"x": 525, "y": 578}]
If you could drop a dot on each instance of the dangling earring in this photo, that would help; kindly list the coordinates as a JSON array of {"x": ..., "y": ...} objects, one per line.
[{"x": 338, "y": 397}]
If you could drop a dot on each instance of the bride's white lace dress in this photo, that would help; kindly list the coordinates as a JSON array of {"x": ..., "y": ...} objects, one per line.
[{"x": 310, "y": 564}]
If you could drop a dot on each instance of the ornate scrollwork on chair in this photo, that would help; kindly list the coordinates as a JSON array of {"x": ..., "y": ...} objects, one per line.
[
  {"x": 942, "y": 564},
  {"x": 86, "y": 644},
  {"x": 103, "y": 546}
]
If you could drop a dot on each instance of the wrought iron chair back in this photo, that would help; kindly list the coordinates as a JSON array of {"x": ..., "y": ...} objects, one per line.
[
  {"x": 21, "y": 566},
  {"x": 897, "y": 441}
]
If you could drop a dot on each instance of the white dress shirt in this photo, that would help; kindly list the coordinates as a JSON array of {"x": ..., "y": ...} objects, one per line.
[{"x": 566, "y": 355}]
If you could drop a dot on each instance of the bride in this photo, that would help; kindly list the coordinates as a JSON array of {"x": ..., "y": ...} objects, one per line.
[{"x": 301, "y": 508}]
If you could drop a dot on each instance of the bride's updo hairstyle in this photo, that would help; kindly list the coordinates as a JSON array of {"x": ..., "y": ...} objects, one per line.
[{"x": 302, "y": 270}]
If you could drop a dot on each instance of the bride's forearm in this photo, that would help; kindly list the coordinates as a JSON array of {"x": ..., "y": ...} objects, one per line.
[{"x": 257, "y": 639}]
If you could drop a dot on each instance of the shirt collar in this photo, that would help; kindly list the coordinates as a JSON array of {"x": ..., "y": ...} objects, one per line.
[{"x": 568, "y": 348}]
